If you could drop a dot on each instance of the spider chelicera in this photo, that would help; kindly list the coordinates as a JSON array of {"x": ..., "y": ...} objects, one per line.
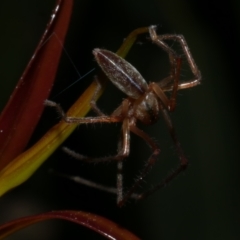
[{"x": 144, "y": 103}]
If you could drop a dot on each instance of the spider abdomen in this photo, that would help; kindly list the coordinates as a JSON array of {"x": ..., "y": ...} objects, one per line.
[{"x": 121, "y": 73}]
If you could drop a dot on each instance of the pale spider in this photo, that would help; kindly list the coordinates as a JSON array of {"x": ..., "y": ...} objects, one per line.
[{"x": 144, "y": 102}]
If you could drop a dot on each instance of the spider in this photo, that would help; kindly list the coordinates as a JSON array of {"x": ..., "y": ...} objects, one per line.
[{"x": 144, "y": 103}]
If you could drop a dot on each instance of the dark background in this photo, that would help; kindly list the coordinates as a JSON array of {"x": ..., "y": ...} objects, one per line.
[{"x": 203, "y": 203}]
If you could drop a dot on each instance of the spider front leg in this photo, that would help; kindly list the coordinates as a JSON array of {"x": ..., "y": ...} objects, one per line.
[
  {"x": 175, "y": 62},
  {"x": 79, "y": 120}
]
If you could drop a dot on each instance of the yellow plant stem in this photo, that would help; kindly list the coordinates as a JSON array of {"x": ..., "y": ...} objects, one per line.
[{"x": 22, "y": 167}]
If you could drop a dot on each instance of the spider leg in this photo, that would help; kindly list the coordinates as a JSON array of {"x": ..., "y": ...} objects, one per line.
[
  {"x": 123, "y": 144},
  {"x": 91, "y": 184},
  {"x": 183, "y": 160},
  {"x": 159, "y": 40},
  {"x": 150, "y": 162},
  {"x": 175, "y": 62},
  {"x": 123, "y": 148},
  {"x": 78, "y": 120},
  {"x": 123, "y": 152},
  {"x": 165, "y": 105},
  {"x": 170, "y": 103},
  {"x": 100, "y": 85}
]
